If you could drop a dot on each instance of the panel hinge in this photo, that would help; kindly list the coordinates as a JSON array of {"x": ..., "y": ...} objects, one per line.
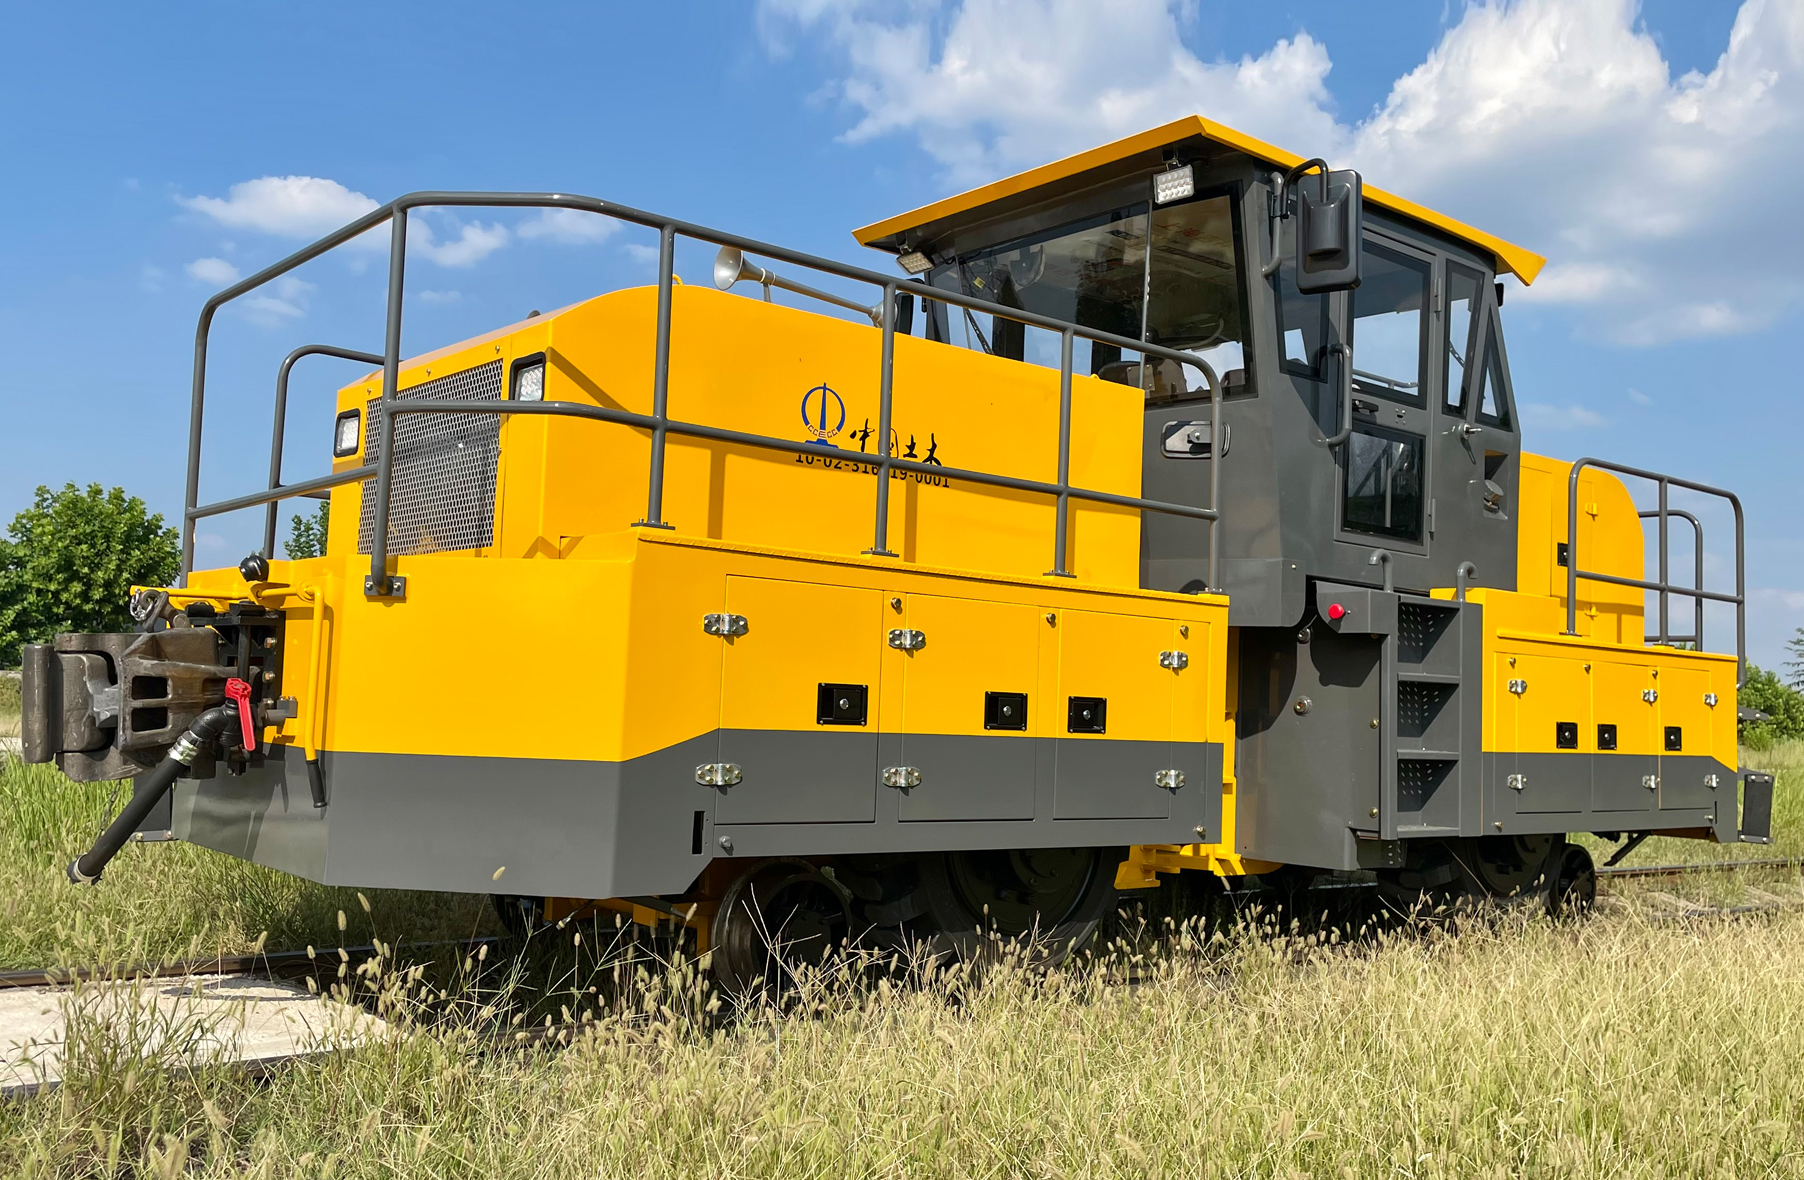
[
  {"x": 902, "y": 777},
  {"x": 1518, "y": 686},
  {"x": 1174, "y": 660},
  {"x": 1170, "y": 780},
  {"x": 1650, "y": 695},
  {"x": 724, "y": 625},
  {"x": 717, "y": 774},
  {"x": 1517, "y": 781},
  {"x": 1650, "y": 781},
  {"x": 903, "y": 639}
]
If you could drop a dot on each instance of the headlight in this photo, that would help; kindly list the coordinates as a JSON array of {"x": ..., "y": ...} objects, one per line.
[
  {"x": 1173, "y": 184},
  {"x": 529, "y": 382},
  {"x": 346, "y": 434}
]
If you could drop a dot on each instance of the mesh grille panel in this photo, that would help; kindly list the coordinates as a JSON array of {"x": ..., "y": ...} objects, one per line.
[{"x": 442, "y": 488}]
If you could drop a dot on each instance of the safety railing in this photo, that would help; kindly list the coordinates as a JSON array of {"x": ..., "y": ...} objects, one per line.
[
  {"x": 1662, "y": 585},
  {"x": 381, "y": 583}
]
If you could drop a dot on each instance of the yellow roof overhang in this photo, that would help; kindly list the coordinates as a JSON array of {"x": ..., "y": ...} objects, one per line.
[{"x": 1524, "y": 264}]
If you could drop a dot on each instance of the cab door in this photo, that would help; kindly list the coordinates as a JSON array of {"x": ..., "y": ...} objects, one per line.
[
  {"x": 1386, "y": 467},
  {"x": 1475, "y": 441}
]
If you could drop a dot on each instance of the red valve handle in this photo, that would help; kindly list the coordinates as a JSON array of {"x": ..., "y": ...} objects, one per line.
[
  {"x": 1336, "y": 611},
  {"x": 240, "y": 691}
]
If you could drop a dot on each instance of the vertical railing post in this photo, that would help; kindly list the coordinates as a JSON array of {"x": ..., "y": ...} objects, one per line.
[
  {"x": 660, "y": 383},
  {"x": 1062, "y": 514},
  {"x": 1741, "y": 598},
  {"x": 1665, "y": 628},
  {"x": 1697, "y": 601},
  {"x": 1572, "y": 550},
  {"x": 886, "y": 393},
  {"x": 196, "y": 410},
  {"x": 379, "y": 584}
]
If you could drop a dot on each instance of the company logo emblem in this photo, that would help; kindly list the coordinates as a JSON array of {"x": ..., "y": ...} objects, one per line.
[{"x": 823, "y": 413}]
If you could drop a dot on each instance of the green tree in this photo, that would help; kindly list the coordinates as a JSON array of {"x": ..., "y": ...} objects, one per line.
[
  {"x": 68, "y": 563},
  {"x": 307, "y": 534},
  {"x": 1795, "y": 665},
  {"x": 1782, "y": 704}
]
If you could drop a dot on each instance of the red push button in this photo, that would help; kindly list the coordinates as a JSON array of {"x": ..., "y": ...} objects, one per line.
[{"x": 1337, "y": 611}]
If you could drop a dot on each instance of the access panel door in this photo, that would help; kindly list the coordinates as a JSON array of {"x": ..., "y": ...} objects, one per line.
[
  {"x": 970, "y": 704},
  {"x": 1625, "y": 777},
  {"x": 799, "y": 703},
  {"x": 1113, "y": 716}
]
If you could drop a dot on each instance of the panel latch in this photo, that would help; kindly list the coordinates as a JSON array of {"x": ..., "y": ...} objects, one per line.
[
  {"x": 724, "y": 625},
  {"x": 902, "y": 777},
  {"x": 1169, "y": 780},
  {"x": 1517, "y": 781},
  {"x": 1518, "y": 686},
  {"x": 1710, "y": 699},
  {"x": 903, "y": 639},
  {"x": 1174, "y": 660},
  {"x": 1711, "y": 781},
  {"x": 1650, "y": 695},
  {"x": 717, "y": 774},
  {"x": 1650, "y": 781}
]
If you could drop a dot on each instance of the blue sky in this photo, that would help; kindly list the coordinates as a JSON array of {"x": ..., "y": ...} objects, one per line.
[{"x": 1631, "y": 144}]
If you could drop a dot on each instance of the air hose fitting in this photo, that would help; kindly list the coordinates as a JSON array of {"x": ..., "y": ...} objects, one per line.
[{"x": 149, "y": 789}]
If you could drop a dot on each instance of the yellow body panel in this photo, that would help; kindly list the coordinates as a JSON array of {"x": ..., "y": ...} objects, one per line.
[{"x": 1524, "y": 264}]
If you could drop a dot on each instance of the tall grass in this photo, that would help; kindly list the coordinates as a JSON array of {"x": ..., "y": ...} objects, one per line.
[
  {"x": 1620, "y": 1047},
  {"x": 1632, "y": 1045},
  {"x": 162, "y": 902}
]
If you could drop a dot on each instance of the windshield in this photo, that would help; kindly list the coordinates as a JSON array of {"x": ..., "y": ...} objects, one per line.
[{"x": 1181, "y": 290}]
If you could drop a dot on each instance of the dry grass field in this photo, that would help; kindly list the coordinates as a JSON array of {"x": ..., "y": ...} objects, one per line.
[{"x": 1638, "y": 1043}]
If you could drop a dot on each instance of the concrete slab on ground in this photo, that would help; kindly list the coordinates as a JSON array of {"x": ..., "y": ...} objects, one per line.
[{"x": 200, "y": 1019}]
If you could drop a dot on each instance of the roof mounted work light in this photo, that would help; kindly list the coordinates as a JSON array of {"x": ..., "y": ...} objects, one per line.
[
  {"x": 1174, "y": 184},
  {"x": 915, "y": 262}
]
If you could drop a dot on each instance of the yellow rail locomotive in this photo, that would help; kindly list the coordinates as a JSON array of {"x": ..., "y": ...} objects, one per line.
[{"x": 1165, "y": 511}]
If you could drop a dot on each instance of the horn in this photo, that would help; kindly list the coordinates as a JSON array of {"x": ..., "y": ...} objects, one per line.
[{"x": 731, "y": 267}]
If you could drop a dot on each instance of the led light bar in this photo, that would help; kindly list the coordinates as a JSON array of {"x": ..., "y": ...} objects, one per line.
[
  {"x": 915, "y": 262},
  {"x": 1174, "y": 184}
]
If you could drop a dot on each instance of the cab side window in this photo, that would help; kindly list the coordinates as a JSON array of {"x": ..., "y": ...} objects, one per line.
[
  {"x": 1493, "y": 396},
  {"x": 1463, "y": 286},
  {"x": 1302, "y": 319},
  {"x": 1389, "y": 324}
]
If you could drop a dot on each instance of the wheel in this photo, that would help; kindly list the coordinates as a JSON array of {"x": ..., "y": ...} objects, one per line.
[
  {"x": 1052, "y": 898},
  {"x": 1574, "y": 886},
  {"x": 1444, "y": 875},
  {"x": 777, "y": 917}
]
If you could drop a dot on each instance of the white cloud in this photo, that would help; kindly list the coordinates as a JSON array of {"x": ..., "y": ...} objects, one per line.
[
  {"x": 474, "y": 242},
  {"x": 441, "y": 296},
  {"x": 568, "y": 226},
  {"x": 150, "y": 278},
  {"x": 1548, "y": 417},
  {"x": 284, "y": 299},
  {"x": 1553, "y": 123},
  {"x": 288, "y": 206},
  {"x": 216, "y": 272},
  {"x": 1639, "y": 398}
]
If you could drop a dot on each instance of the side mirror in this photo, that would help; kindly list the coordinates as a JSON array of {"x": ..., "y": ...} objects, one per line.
[{"x": 1330, "y": 215}]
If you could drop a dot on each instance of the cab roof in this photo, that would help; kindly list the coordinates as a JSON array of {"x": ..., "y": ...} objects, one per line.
[{"x": 887, "y": 234}]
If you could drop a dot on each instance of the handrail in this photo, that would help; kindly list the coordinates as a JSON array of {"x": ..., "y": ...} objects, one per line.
[
  {"x": 381, "y": 583},
  {"x": 1697, "y": 630},
  {"x": 280, "y": 428},
  {"x": 1663, "y": 586}
]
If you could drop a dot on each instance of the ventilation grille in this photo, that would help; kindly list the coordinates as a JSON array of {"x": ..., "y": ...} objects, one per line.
[{"x": 442, "y": 488}]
